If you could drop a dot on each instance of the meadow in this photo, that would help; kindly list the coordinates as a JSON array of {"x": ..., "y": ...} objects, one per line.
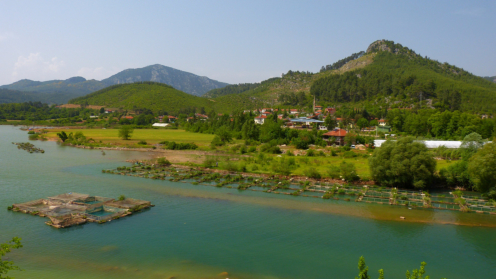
[
  {"x": 255, "y": 162},
  {"x": 151, "y": 136}
]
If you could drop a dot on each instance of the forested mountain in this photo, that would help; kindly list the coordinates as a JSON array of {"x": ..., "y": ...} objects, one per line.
[
  {"x": 387, "y": 75},
  {"x": 493, "y": 79},
  {"x": 155, "y": 96},
  {"x": 61, "y": 91},
  {"x": 236, "y": 88},
  {"x": 16, "y": 96}
]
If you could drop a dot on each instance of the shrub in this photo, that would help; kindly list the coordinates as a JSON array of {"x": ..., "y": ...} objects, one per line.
[
  {"x": 349, "y": 154},
  {"x": 30, "y": 132},
  {"x": 122, "y": 197},
  {"x": 310, "y": 153},
  {"x": 252, "y": 149},
  {"x": 334, "y": 172},
  {"x": 163, "y": 161},
  {"x": 348, "y": 171},
  {"x": 142, "y": 142},
  {"x": 312, "y": 173}
]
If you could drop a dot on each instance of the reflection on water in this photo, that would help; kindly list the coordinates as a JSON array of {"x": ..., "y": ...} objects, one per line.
[{"x": 203, "y": 232}]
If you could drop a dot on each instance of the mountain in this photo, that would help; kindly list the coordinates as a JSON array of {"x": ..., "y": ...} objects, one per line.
[
  {"x": 386, "y": 75},
  {"x": 15, "y": 96},
  {"x": 493, "y": 79},
  {"x": 184, "y": 81},
  {"x": 61, "y": 91}
]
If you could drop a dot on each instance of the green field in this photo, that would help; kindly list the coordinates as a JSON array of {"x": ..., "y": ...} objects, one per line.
[
  {"x": 154, "y": 136},
  {"x": 151, "y": 136}
]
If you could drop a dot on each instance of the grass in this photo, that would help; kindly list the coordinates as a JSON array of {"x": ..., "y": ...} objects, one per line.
[{"x": 151, "y": 136}]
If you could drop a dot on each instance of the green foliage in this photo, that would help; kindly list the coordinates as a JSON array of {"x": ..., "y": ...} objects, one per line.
[
  {"x": 125, "y": 132},
  {"x": 349, "y": 154},
  {"x": 6, "y": 266},
  {"x": 334, "y": 172},
  {"x": 172, "y": 145},
  {"x": 284, "y": 165},
  {"x": 470, "y": 144},
  {"x": 122, "y": 197},
  {"x": 482, "y": 168},
  {"x": 163, "y": 161},
  {"x": 348, "y": 171},
  {"x": 312, "y": 173},
  {"x": 142, "y": 142},
  {"x": 457, "y": 174},
  {"x": 363, "y": 269},
  {"x": 403, "y": 163},
  {"x": 63, "y": 136}
]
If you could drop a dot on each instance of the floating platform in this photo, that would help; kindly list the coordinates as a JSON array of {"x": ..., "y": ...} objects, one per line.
[{"x": 70, "y": 209}]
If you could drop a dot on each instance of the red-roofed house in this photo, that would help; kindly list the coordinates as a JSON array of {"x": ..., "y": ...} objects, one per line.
[
  {"x": 382, "y": 122},
  {"x": 330, "y": 111},
  {"x": 260, "y": 119},
  {"x": 293, "y": 111},
  {"x": 336, "y": 135},
  {"x": 128, "y": 117},
  {"x": 172, "y": 119}
]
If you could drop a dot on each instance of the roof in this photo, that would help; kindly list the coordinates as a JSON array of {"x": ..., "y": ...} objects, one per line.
[
  {"x": 304, "y": 119},
  {"x": 382, "y": 121},
  {"x": 128, "y": 117},
  {"x": 170, "y": 117},
  {"x": 261, "y": 116},
  {"x": 336, "y": 133}
]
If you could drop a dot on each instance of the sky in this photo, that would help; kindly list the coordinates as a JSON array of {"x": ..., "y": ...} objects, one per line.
[{"x": 233, "y": 41}]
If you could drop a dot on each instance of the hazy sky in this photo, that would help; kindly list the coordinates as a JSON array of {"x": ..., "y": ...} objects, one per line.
[{"x": 233, "y": 41}]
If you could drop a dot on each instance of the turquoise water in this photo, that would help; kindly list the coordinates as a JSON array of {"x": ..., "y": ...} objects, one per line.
[{"x": 199, "y": 231}]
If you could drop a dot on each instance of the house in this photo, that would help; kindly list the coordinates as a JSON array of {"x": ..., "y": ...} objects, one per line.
[
  {"x": 171, "y": 119},
  {"x": 317, "y": 108},
  {"x": 335, "y": 136},
  {"x": 293, "y": 111},
  {"x": 201, "y": 116},
  {"x": 330, "y": 111},
  {"x": 128, "y": 117},
  {"x": 260, "y": 119},
  {"x": 382, "y": 122},
  {"x": 266, "y": 110}
]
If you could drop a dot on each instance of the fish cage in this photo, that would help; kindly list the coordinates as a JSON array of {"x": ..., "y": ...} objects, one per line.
[
  {"x": 65, "y": 210},
  {"x": 41, "y": 206},
  {"x": 68, "y": 197},
  {"x": 103, "y": 213},
  {"x": 128, "y": 203}
]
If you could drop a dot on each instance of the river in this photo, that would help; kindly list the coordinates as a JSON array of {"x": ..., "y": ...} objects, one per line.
[{"x": 208, "y": 232}]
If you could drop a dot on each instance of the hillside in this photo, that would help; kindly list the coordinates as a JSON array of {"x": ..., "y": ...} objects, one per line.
[
  {"x": 61, "y": 91},
  {"x": 493, "y": 79},
  {"x": 150, "y": 95},
  {"x": 16, "y": 96},
  {"x": 386, "y": 75},
  {"x": 184, "y": 81}
]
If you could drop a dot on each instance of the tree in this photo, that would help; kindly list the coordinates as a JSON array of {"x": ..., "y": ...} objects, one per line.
[
  {"x": 63, "y": 136},
  {"x": 363, "y": 274},
  {"x": 348, "y": 171},
  {"x": 330, "y": 122},
  {"x": 6, "y": 266},
  {"x": 403, "y": 163},
  {"x": 470, "y": 144},
  {"x": 125, "y": 132},
  {"x": 224, "y": 135},
  {"x": 482, "y": 167},
  {"x": 362, "y": 123}
]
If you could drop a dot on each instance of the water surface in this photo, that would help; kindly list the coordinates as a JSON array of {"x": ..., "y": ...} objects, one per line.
[{"x": 203, "y": 231}]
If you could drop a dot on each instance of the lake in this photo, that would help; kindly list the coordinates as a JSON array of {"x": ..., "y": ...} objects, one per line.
[{"x": 209, "y": 232}]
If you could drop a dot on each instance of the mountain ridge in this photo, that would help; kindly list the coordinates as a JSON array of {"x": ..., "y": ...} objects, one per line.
[{"x": 78, "y": 86}]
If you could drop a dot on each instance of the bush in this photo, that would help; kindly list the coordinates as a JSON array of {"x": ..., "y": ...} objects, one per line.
[
  {"x": 142, "y": 142},
  {"x": 172, "y": 145},
  {"x": 30, "y": 132},
  {"x": 310, "y": 153},
  {"x": 349, "y": 154},
  {"x": 334, "y": 172},
  {"x": 312, "y": 173},
  {"x": 33, "y": 136},
  {"x": 163, "y": 161},
  {"x": 122, "y": 197},
  {"x": 252, "y": 149},
  {"x": 348, "y": 171}
]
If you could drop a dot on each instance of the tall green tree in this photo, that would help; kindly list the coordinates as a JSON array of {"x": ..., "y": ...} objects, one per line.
[
  {"x": 6, "y": 266},
  {"x": 482, "y": 169},
  {"x": 403, "y": 163},
  {"x": 125, "y": 132}
]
